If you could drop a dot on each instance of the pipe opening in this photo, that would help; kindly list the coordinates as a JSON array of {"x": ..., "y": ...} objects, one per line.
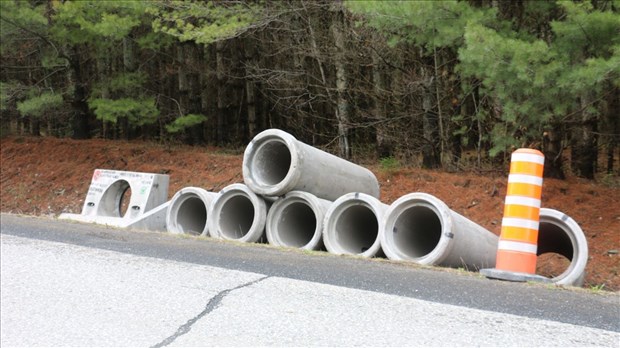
[
  {"x": 553, "y": 238},
  {"x": 555, "y": 250},
  {"x": 271, "y": 163},
  {"x": 297, "y": 225},
  {"x": 123, "y": 204},
  {"x": 192, "y": 216},
  {"x": 236, "y": 217},
  {"x": 417, "y": 231},
  {"x": 356, "y": 229},
  {"x": 115, "y": 200}
]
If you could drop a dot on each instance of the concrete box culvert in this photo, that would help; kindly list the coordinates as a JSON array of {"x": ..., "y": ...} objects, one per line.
[
  {"x": 351, "y": 225},
  {"x": 560, "y": 234},
  {"x": 238, "y": 214},
  {"x": 108, "y": 191},
  {"x": 108, "y": 187},
  {"x": 275, "y": 163},
  {"x": 296, "y": 220},
  {"x": 188, "y": 211},
  {"x": 421, "y": 228}
]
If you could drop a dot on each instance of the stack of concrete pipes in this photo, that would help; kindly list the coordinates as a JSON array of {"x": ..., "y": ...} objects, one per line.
[{"x": 298, "y": 196}]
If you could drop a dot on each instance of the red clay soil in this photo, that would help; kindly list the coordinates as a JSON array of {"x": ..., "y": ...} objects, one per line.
[{"x": 49, "y": 176}]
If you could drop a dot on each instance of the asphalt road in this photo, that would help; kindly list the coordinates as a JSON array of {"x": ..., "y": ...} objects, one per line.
[{"x": 65, "y": 284}]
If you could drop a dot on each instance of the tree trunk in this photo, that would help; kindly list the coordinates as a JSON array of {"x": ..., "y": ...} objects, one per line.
[
  {"x": 190, "y": 88},
  {"x": 430, "y": 155},
  {"x": 584, "y": 151},
  {"x": 196, "y": 134},
  {"x": 80, "y": 121},
  {"x": 613, "y": 119},
  {"x": 430, "y": 122},
  {"x": 129, "y": 54},
  {"x": 250, "y": 86},
  {"x": 209, "y": 93},
  {"x": 552, "y": 149},
  {"x": 35, "y": 126},
  {"x": 440, "y": 116},
  {"x": 129, "y": 66},
  {"x": 183, "y": 84},
  {"x": 342, "y": 103},
  {"x": 103, "y": 68},
  {"x": 385, "y": 147},
  {"x": 221, "y": 93}
]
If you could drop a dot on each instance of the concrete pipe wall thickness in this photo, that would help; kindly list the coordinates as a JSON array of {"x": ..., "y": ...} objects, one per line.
[
  {"x": 188, "y": 211},
  {"x": 238, "y": 214},
  {"x": 558, "y": 233},
  {"x": 421, "y": 228},
  {"x": 296, "y": 220},
  {"x": 275, "y": 163},
  {"x": 351, "y": 225}
]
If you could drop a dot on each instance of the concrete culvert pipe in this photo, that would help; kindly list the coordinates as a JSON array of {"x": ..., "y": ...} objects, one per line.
[
  {"x": 188, "y": 211},
  {"x": 238, "y": 214},
  {"x": 351, "y": 225},
  {"x": 296, "y": 220},
  {"x": 421, "y": 228},
  {"x": 275, "y": 163},
  {"x": 558, "y": 233}
]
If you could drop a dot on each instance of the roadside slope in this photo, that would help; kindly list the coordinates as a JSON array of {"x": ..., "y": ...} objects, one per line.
[{"x": 49, "y": 176}]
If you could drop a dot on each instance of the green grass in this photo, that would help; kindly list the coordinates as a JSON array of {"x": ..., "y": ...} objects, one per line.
[{"x": 389, "y": 164}]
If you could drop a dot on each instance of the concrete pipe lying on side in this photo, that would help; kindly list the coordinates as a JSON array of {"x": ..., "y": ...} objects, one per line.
[
  {"x": 351, "y": 225},
  {"x": 558, "y": 233},
  {"x": 238, "y": 214},
  {"x": 296, "y": 220},
  {"x": 188, "y": 211},
  {"x": 421, "y": 228},
  {"x": 275, "y": 163}
]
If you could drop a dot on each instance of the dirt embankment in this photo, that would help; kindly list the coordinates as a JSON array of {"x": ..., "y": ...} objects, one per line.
[{"x": 48, "y": 176}]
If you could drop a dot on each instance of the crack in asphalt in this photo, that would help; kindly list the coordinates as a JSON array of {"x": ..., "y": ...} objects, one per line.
[{"x": 213, "y": 303}]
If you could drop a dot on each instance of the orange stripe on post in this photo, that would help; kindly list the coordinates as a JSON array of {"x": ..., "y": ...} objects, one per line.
[
  {"x": 519, "y": 234},
  {"x": 528, "y": 190},
  {"x": 521, "y": 211},
  {"x": 515, "y": 261},
  {"x": 526, "y": 168}
]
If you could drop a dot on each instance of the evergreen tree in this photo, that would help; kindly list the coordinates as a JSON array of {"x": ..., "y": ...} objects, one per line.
[{"x": 100, "y": 28}]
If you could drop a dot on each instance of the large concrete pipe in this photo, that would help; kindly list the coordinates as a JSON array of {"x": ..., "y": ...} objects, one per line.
[
  {"x": 351, "y": 225},
  {"x": 421, "y": 228},
  {"x": 275, "y": 163},
  {"x": 296, "y": 220},
  {"x": 188, "y": 211},
  {"x": 558, "y": 233},
  {"x": 238, "y": 214}
]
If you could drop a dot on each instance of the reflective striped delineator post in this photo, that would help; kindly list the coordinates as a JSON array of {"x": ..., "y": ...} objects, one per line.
[{"x": 518, "y": 241}]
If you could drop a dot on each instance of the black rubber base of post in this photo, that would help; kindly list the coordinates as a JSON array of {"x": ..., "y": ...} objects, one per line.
[{"x": 494, "y": 273}]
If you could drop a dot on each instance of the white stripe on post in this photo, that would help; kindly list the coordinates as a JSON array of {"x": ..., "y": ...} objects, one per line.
[
  {"x": 508, "y": 245},
  {"x": 527, "y": 157},
  {"x": 522, "y": 200},
  {"x": 523, "y": 223},
  {"x": 525, "y": 179}
]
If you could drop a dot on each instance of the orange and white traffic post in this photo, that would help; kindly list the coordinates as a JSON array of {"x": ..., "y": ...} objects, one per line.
[{"x": 518, "y": 241}]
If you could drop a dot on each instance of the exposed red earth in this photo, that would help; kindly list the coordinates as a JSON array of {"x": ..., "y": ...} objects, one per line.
[{"x": 49, "y": 176}]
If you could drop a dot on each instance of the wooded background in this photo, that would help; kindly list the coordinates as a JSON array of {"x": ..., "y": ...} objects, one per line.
[{"x": 451, "y": 84}]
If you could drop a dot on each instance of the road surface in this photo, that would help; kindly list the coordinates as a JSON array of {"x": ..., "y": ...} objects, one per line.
[{"x": 69, "y": 284}]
